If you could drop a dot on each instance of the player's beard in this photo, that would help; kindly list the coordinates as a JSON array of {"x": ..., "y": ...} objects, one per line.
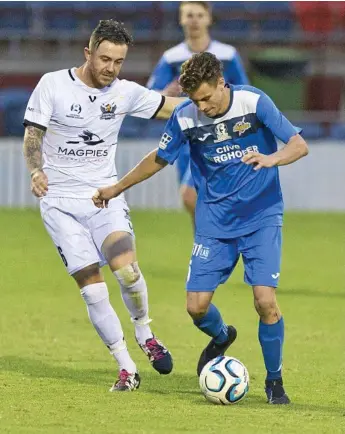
[{"x": 99, "y": 79}]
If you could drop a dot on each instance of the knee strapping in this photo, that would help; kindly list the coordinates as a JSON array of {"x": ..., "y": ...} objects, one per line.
[
  {"x": 119, "y": 247},
  {"x": 128, "y": 275},
  {"x": 94, "y": 293}
]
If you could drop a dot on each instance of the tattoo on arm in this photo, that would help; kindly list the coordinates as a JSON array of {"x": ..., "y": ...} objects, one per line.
[{"x": 33, "y": 147}]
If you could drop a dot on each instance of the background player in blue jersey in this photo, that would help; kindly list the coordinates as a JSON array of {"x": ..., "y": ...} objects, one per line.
[
  {"x": 231, "y": 133},
  {"x": 195, "y": 20}
]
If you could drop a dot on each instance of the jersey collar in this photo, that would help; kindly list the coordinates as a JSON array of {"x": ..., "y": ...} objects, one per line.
[{"x": 73, "y": 76}]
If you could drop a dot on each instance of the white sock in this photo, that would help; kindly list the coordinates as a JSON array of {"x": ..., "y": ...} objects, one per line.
[
  {"x": 121, "y": 355},
  {"x": 135, "y": 298},
  {"x": 107, "y": 324}
]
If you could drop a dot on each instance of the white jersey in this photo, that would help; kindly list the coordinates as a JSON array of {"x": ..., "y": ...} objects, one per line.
[{"x": 82, "y": 126}]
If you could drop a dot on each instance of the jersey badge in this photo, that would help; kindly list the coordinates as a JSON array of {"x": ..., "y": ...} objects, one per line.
[
  {"x": 108, "y": 111},
  {"x": 241, "y": 127},
  {"x": 221, "y": 131}
]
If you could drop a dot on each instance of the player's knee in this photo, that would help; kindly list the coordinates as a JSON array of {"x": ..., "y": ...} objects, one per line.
[
  {"x": 128, "y": 275},
  {"x": 265, "y": 305},
  {"x": 88, "y": 276},
  {"x": 94, "y": 293},
  {"x": 188, "y": 195},
  {"x": 113, "y": 248},
  {"x": 196, "y": 310}
]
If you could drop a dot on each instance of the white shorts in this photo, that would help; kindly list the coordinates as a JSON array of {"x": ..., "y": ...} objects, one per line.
[{"x": 78, "y": 229}]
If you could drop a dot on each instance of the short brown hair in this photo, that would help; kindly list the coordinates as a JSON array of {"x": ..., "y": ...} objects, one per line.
[
  {"x": 112, "y": 31},
  {"x": 205, "y": 5},
  {"x": 200, "y": 68}
]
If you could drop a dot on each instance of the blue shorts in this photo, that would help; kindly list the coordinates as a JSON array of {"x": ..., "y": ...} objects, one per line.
[{"x": 213, "y": 260}]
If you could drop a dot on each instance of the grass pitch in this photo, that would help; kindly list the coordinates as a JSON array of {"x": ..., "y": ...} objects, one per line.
[{"x": 55, "y": 372}]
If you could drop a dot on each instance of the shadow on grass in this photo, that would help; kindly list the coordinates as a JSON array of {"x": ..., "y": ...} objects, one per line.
[
  {"x": 152, "y": 382},
  {"x": 39, "y": 369},
  {"x": 258, "y": 401},
  {"x": 308, "y": 293},
  {"x": 183, "y": 386}
]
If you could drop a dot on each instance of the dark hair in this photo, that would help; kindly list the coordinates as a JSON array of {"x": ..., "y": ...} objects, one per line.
[
  {"x": 205, "y": 5},
  {"x": 200, "y": 68},
  {"x": 112, "y": 31}
]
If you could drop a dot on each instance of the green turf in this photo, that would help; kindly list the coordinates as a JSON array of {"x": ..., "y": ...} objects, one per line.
[{"x": 55, "y": 372}]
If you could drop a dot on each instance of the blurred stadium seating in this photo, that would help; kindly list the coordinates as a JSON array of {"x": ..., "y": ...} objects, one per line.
[{"x": 36, "y": 37}]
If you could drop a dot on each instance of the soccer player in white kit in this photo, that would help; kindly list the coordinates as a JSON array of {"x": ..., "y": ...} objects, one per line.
[{"x": 72, "y": 123}]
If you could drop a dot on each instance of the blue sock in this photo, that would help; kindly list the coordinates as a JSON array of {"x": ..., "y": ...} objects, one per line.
[
  {"x": 213, "y": 325},
  {"x": 271, "y": 337}
]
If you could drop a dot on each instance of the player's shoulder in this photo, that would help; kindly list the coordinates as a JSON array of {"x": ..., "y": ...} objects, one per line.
[
  {"x": 54, "y": 78},
  {"x": 127, "y": 85},
  {"x": 185, "y": 108},
  {"x": 222, "y": 51},
  {"x": 61, "y": 74},
  {"x": 186, "y": 114},
  {"x": 178, "y": 53},
  {"x": 247, "y": 92}
]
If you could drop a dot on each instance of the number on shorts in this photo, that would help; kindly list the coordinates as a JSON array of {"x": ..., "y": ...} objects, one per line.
[{"x": 63, "y": 257}]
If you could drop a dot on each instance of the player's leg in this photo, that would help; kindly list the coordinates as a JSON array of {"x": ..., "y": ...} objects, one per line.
[
  {"x": 80, "y": 256},
  {"x": 95, "y": 293},
  {"x": 211, "y": 263},
  {"x": 113, "y": 234},
  {"x": 261, "y": 254}
]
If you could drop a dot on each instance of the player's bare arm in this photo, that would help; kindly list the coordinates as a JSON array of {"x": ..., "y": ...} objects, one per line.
[
  {"x": 168, "y": 107},
  {"x": 172, "y": 89},
  {"x": 295, "y": 149},
  {"x": 33, "y": 155},
  {"x": 147, "y": 167}
]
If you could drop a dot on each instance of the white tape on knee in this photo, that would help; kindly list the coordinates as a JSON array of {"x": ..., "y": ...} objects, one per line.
[
  {"x": 128, "y": 275},
  {"x": 95, "y": 293}
]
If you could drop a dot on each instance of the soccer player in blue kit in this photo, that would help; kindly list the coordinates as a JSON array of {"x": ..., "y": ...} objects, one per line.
[
  {"x": 195, "y": 18},
  {"x": 231, "y": 133}
]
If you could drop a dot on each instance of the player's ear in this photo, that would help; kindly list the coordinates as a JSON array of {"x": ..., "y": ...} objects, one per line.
[
  {"x": 87, "y": 53},
  {"x": 221, "y": 81}
]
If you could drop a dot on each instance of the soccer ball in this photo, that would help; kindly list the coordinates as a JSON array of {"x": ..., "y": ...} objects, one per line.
[{"x": 224, "y": 380}]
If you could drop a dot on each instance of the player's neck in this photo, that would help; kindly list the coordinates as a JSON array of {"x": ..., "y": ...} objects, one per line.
[
  {"x": 198, "y": 44},
  {"x": 84, "y": 75},
  {"x": 225, "y": 103}
]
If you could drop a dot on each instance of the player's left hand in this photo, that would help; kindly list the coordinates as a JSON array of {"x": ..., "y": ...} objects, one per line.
[
  {"x": 260, "y": 160},
  {"x": 103, "y": 195}
]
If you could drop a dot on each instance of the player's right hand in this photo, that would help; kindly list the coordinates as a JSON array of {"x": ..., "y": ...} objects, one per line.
[
  {"x": 103, "y": 195},
  {"x": 39, "y": 183}
]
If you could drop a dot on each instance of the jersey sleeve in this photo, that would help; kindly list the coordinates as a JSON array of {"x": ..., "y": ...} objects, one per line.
[
  {"x": 234, "y": 71},
  {"x": 40, "y": 106},
  {"x": 172, "y": 140},
  {"x": 161, "y": 76},
  {"x": 269, "y": 115},
  {"x": 145, "y": 103}
]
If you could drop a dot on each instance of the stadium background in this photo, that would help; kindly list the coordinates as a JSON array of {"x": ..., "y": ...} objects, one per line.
[
  {"x": 292, "y": 50},
  {"x": 54, "y": 371}
]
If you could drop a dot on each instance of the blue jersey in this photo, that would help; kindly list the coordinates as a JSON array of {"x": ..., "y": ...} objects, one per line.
[
  {"x": 168, "y": 67},
  {"x": 168, "y": 70},
  {"x": 233, "y": 198}
]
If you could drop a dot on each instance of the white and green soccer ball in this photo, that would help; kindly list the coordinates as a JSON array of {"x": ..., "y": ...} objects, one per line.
[{"x": 224, "y": 380}]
